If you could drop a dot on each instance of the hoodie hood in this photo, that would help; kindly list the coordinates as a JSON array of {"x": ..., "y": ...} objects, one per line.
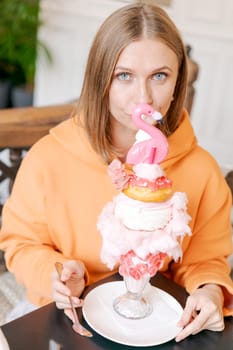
[
  {"x": 74, "y": 140},
  {"x": 181, "y": 142}
]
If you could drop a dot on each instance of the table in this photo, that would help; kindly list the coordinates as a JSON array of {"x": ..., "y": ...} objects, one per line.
[{"x": 36, "y": 329}]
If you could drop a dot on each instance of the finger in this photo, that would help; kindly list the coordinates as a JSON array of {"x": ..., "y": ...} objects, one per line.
[
  {"x": 69, "y": 313},
  {"x": 76, "y": 266},
  {"x": 72, "y": 269},
  {"x": 184, "y": 333},
  {"x": 61, "y": 305},
  {"x": 187, "y": 315},
  {"x": 64, "y": 302},
  {"x": 194, "y": 327},
  {"x": 60, "y": 287}
]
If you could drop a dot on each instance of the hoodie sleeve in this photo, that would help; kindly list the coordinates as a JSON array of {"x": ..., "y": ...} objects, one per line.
[
  {"x": 30, "y": 253},
  {"x": 204, "y": 254}
]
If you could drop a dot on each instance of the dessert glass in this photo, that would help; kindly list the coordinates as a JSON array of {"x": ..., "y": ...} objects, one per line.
[
  {"x": 136, "y": 273},
  {"x": 133, "y": 304}
]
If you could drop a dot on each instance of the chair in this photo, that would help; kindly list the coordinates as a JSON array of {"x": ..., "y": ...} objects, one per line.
[
  {"x": 20, "y": 128},
  {"x": 229, "y": 180}
]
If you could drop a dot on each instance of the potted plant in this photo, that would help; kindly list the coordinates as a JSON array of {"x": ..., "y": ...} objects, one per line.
[{"x": 19, "y": 45}]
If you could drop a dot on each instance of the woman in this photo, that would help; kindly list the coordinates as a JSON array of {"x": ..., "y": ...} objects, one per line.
[{"x": 63, "y": 185}]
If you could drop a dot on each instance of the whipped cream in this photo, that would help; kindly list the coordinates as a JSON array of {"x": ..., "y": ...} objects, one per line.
[{"x": 137, "y": 215}]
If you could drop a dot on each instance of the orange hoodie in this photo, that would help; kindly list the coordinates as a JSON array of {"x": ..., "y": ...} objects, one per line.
[{"x": 61, "y": 188}]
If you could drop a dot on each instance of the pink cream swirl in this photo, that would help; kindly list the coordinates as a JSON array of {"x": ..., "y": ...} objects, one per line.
[
  {"x": 118, "y": 174},
  {"x": 132, "y": 265}
]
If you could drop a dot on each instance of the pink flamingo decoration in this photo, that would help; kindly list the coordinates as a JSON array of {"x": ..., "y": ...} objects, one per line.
[{"x": 154, "y": 148}]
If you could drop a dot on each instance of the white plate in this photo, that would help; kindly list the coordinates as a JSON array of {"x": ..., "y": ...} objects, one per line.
[
  {"x": 3, "y": 342},
  {"x": 157, "y": 328}
]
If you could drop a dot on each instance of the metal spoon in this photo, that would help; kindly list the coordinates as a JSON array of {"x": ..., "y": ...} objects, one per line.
[{"x": 77, "y": 327}]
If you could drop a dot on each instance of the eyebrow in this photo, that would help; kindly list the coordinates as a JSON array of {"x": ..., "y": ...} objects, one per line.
[{"x": 154, "y": 70}]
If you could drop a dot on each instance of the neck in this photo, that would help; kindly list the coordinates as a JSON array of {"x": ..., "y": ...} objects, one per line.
[{"x": 122, "y": 138}]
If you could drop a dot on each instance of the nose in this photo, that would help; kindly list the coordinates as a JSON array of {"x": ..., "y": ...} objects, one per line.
[{"x": 143, "y": 93}]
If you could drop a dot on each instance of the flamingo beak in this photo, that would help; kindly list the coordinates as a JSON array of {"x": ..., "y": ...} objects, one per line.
[
  {"x": 158, "y": 118},
  {"x": 148, "y": 119},
  {"x": 153, "y": 119}
]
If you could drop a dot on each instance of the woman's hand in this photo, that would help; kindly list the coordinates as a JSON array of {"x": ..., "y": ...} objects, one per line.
[
  {"x": 203, "y": 310},
  {"x": 71, "y": 283}
]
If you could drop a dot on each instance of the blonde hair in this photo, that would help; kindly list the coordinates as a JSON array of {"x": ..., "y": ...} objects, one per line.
[{"x": 128, "y": 24}]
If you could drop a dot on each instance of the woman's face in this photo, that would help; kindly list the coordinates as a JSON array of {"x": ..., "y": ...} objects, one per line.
[{"x": 146, "y": 72}]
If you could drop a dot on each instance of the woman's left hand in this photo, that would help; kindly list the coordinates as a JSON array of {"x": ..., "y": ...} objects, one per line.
[{"x": 203, "y": 310}]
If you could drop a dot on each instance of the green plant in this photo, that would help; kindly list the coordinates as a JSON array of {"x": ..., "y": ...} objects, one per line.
[{"x": 19, "y": 43}]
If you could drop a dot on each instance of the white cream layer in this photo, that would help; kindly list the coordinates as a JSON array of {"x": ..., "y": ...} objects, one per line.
[{"x": 137, "y": 215}]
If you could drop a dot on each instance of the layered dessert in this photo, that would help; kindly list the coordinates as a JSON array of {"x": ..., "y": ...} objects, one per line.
[
  {"x": 146, "y": 221},
  {"x": 142, "y": 230}
]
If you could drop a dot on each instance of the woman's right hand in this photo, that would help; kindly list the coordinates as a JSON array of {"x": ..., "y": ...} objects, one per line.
[{"x": 70, "y": 283}]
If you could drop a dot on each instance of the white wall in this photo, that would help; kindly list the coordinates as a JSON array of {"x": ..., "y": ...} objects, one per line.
[
  {"x": 206, "y": 25},
  {"x": 69, "y": 30}
]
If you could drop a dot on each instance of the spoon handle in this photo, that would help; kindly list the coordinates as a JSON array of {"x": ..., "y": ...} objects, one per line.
[{"x": 77, "y": 327}]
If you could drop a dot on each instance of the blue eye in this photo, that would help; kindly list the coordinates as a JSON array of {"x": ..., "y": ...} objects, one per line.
[
  {"x": 123, "y": 76},
  {"x": 159, "y": 76}
]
